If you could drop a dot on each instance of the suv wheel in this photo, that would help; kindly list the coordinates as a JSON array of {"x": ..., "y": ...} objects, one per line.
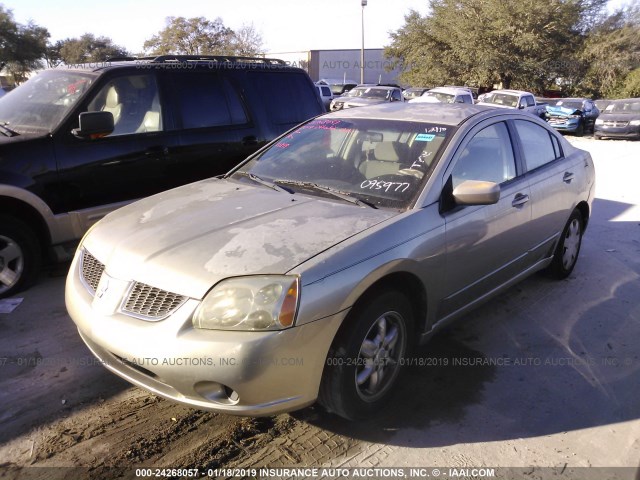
[{"x": 19, "y": 256}]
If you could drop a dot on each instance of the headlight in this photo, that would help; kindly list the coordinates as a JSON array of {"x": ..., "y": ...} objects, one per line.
[
  {"x": 261, "y": 302},
  {"x": 599, "y": 121},
  {"x": 635, "y": 123}
]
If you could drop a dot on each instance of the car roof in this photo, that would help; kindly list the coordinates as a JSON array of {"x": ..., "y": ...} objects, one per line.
[
  {"x": 378, "y": 87},
  {"x": 451, "y": 90},
  {"x": 444, "y": 114},
  {"x": 512, "y": 92},
  {"x": 170, "y": 61}
]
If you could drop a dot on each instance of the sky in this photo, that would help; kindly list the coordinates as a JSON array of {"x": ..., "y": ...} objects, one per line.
[{"x": 285, "y": 25}]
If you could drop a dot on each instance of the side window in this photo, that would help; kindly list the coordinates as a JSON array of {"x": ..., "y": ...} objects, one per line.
[
  {"x": 537, "y": 144},
  {"x": 133, "y": 101},
  {"x": 467, "y": 99},
  {"x": 326, "y": 91},
  {"x": 396, "y": 95},
  {"x": 488, "y": 156},
  {"x": 556, "y": 147},
  {"x": 531, "y": 102},
  {"x": 288, "y": 97},
  {"x": 204, "y": 100}
]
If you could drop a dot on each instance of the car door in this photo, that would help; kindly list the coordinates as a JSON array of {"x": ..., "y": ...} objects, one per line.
[
  {"x": 487, "y": 245},
  {"x": 554, "y": 182},
  {"x": 127, "y": 164}
]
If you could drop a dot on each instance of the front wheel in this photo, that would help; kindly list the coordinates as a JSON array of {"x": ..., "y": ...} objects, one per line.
[
  {"x": 19, "y": 256},
  {"x": 566, "y": 254},
  {"x": 366, "y": 357}
]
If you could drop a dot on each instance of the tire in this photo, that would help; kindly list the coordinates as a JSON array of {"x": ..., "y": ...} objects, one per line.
[
  {"x": 20, "y": 256},
  {"x": 366, "y": 357},
  {"x": 566, "y": 254}
]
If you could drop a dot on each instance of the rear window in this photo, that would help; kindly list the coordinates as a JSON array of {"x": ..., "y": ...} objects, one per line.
[{"x": 288, "y": 96}]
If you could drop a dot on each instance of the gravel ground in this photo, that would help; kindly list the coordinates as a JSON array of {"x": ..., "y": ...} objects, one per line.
[{"x": 546, "y": 375}]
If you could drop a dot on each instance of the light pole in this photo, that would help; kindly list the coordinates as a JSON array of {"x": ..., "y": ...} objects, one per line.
[{"x": 364, "y": 4}]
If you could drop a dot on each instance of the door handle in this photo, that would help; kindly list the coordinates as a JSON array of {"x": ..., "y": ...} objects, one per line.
[
  {"x": 157, "y": 151},
  {"x": 568, "y": 176},
  {"x": 519, "y": 200},
  {"x": 250, "y": 141}
]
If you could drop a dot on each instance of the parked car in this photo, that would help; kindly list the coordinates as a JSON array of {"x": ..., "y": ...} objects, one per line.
[
  {"x": 603, "y": 104},
  {"x": 411, "y": 93},
  {"x": 77, "y": 143},
  {"x": 575, "y": 115},
  {"x": 621, "y": 119},
  {"x": 309, "y": 271},
  {"x": 519, "y": 99},
  {"x": 364, "y": 95},
  {"x": 325, "y": 94},
  {"x": 445, "y": 95}
]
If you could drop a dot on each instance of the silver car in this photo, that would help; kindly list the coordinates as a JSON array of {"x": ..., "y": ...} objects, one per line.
[{"x": 309, "y": 271}]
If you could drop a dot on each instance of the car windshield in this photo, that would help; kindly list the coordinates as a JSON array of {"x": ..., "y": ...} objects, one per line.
[
  {"x": 377, "y": 162},
  {"x": 411, "y": 93},
  {"x": 505, "y": 99},
  {"x": 575, "y": 105},
  {"x": 624, "y": 107},
  {"x": 38, "y": 105},
  {"x": 369, "y": 92},
  {"x": 441, "y": 97}
]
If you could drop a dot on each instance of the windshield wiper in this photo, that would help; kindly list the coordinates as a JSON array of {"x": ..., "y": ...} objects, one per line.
[
  {"x": 6, "y": 130},
  {"x": 266, "y": 183},
  {"x": 346, "y": 196}
]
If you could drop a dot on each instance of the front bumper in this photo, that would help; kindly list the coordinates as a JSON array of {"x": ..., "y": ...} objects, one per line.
[
  {"x": 244, "y": 373},
  {"x": 630, "y": 132},
  {"x": 565, "y": 126}
]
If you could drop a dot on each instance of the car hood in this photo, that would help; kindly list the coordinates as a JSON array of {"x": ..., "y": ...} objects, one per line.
[
  {"x": 495, "y": 105},
  {"x": 562, "y": 111},
  {"x": 188, "y": 239}
]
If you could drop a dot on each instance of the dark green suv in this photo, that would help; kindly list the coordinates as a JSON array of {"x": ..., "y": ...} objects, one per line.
[{"x": 80, "y": 141}]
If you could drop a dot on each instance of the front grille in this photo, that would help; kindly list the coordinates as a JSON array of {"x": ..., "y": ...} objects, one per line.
[
  {"x": 91, "y": 271},
  {"x": 151, "y": 303},
  {"x": 615, "y": 123}
]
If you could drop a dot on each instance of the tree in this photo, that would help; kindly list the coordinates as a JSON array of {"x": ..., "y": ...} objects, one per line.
[
  {"x": 21, "y": 46},
  {"x": 611, "y": 52},
  {"x": 247, "y": 41},
  {"x": 483, "y": 42},
  {"x": 88, "y": 48},
  {"x": 192, "y": 36}
]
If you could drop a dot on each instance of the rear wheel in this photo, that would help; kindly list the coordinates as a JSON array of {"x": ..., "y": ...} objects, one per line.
[
  {"x": 366, "y": 357},
  {"x": 566, "y": 254},
  {"x": 20, "y": 256}
]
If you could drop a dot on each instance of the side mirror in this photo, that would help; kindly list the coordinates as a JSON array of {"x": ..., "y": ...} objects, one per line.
[
  {"x": 94, "y": 125},
  {"x": 476, "y": 192}
]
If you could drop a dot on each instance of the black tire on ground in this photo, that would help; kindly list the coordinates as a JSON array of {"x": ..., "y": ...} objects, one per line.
[
  {"x": 20, "y": 256},
  {"x": 568, "y": 248},
  {"x": 366, "y": 356}
]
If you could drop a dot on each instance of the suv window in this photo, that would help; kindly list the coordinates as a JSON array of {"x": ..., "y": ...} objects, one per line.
[
  {"x": 286, "y": 97},
  {"x": 396, "y": 95},
  {"x": 203, "y": 100},
  {"x": 488, "y": 157},
  {"x": 537, "y": 144},
  {"x": 133, "y": 101},
  {"x": 326, "y": 91}
]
